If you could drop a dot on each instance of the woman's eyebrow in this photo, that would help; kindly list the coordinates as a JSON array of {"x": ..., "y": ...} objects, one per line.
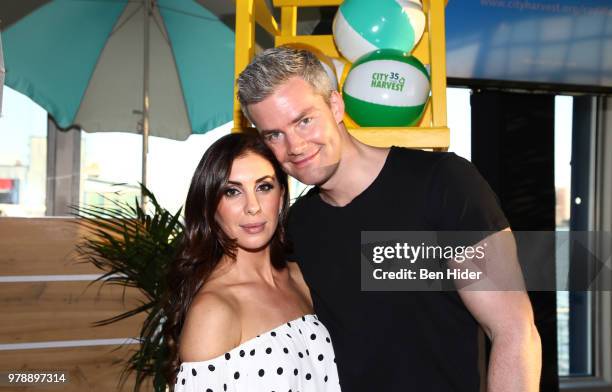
[
  {"x": 265, "y": 178},
  {"x": 258, "y": 180}
]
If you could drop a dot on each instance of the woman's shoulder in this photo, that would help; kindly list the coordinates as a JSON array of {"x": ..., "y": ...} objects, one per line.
[{"x": 211, "y": 327}]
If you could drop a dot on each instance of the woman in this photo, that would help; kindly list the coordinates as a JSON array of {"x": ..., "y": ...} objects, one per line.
[{"x": 239, "y": 316}]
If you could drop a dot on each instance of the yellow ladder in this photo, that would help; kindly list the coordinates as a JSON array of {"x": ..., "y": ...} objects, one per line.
[{"x": 431, "y": 132}]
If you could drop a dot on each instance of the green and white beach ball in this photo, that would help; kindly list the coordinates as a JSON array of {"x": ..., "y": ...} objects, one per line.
[
  {"x": 361, "y": 26},
  {"x": 386, "y": 88}
]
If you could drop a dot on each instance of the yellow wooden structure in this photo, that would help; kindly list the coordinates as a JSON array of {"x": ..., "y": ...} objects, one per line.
[{"x": 431, "y": 132}]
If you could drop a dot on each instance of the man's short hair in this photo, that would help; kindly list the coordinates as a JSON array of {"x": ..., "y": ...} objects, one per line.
[{"x": 273, "y": 67}]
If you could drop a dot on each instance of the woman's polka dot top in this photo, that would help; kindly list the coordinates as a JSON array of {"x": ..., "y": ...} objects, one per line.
[{"x": 294, "y": 357}]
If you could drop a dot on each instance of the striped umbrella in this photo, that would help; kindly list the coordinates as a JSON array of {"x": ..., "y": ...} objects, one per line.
[{"x": 156, "y": 67}]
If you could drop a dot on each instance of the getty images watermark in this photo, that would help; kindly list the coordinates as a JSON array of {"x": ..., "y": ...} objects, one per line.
[{"x": 486, "y": 260}]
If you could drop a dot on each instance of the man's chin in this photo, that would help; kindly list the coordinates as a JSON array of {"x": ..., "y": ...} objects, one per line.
[
  {"x": 313, "y": 176},
  {"x": 300, "y": 176},
  {"x": 308, "y": 179}
]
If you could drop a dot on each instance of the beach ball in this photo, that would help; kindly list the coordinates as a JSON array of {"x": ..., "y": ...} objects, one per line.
[
  {"x": 386, "y": 88},
  {"x": 327, "y": 62},
  {"x": 361, "y": 26}
]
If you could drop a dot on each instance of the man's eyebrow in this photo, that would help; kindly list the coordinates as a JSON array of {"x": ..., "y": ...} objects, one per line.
[
  {"x": 256, "y": 181},
  {"x": 294, "y": 121}
]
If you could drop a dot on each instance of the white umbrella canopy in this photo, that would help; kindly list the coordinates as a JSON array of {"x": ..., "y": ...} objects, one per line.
[{"x": 114, "y": 98}]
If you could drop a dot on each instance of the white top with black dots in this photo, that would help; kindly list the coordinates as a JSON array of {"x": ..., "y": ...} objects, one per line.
[{"x": 294, "y": 357}]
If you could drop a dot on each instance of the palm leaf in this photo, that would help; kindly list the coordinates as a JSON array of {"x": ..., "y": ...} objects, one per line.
[{"x": 134, "y": 248}]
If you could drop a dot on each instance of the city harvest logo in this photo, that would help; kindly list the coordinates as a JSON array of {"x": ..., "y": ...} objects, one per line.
[{"x": 388, "y": 81}]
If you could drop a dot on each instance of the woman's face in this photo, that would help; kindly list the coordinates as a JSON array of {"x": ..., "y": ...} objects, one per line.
[{"x": 250, "y": 202}]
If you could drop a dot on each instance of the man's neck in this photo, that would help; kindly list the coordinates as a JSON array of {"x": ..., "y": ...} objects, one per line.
[{"x": 359, "y": 166}]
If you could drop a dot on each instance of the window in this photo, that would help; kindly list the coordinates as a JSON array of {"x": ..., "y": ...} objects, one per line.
[
  {"x": 459, "y": 121},
  {"x": 23, "y": 156},
  {"x": 111, "y": 166},
  {"x": 563, "y": 151},
  {"x": 585, "y": 317},
  {"x": 109, "y": 163}
]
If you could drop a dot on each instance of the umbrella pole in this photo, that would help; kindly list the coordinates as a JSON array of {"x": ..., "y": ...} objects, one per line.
[{"x": 145, "y": 102}]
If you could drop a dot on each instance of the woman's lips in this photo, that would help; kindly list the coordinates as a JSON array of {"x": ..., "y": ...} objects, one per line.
[{"x": 253, "y": 228}]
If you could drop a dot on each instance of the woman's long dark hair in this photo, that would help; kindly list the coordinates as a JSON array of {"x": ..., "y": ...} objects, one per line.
[{"x": 204, "y": 243}]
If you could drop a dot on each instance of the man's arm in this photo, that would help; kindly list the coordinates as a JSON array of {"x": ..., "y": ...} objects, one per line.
[
  {"x": 507, "y": 318},
  {"x": 461, "y": 200}
]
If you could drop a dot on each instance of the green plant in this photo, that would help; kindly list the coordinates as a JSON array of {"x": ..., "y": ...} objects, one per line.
[{"x": 134, "y": 248}]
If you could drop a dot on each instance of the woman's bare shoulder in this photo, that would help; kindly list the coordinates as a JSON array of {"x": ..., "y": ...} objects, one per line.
[{"x": 211, "y": 328}]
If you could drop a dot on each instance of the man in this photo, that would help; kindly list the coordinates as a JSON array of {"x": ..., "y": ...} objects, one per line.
[{"x": 384, "y": 341}]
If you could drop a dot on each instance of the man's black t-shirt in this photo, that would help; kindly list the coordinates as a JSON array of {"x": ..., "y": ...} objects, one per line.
[{"x": 395, "y": 341}]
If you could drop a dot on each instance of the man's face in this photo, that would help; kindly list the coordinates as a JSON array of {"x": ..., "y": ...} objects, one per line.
[{"x": 302, "y": 130}]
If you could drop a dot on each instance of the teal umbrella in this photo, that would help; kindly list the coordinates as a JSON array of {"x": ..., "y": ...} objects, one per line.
[{"x": 156, "y": 67}]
